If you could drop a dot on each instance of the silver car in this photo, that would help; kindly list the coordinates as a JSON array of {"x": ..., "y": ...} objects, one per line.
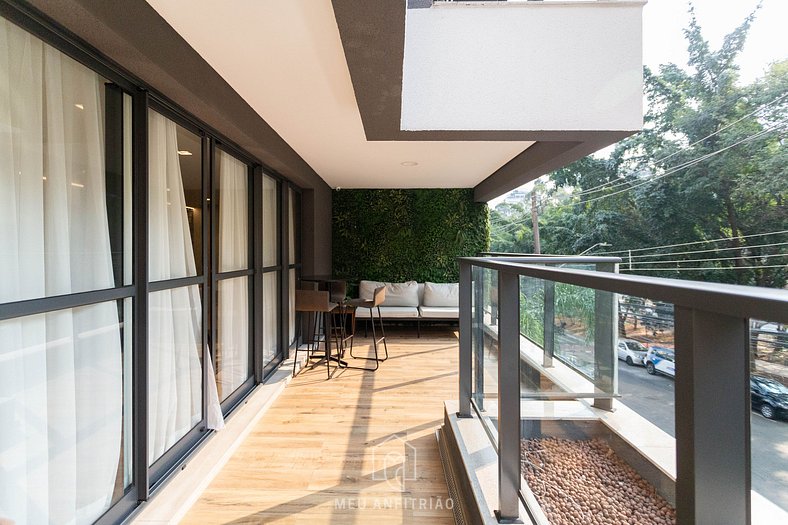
[{"x": 631, "y": 351}]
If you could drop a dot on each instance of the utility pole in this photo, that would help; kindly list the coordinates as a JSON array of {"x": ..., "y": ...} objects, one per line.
[{"x": 535, "y": 221}]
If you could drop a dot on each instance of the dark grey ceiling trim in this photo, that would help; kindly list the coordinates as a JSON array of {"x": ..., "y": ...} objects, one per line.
[
  {"x": 131, "y": 33},
  {"x": 373, "y": 38},
  {"x": 539, "y": 159}
]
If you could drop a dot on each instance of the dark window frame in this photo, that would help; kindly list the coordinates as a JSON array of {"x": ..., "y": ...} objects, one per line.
[{"x": 144, "y": 97}]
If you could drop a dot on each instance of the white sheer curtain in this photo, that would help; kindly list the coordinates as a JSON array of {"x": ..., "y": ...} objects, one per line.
[
  {"x": 61, "y": 372},
  {"x": 270, "y": 279},
  {"x": 233, "y": 345},
  {"x": 175, "y": 318}
]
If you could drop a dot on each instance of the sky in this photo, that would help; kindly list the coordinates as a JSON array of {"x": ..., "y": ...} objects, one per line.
[{"x": 663, "y": 40}]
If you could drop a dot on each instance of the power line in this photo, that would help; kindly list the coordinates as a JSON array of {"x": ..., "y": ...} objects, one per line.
[
  {"x": 676, "y": 261},
  {"x": 675, "y": 169},
  {"x": 663, "y": 159},
  {"x": 505, "y": 227},
  {"x": 721, "y": 239},
  {"x": 684, "y": 166},
  {"x": 704, "y": 268},
  {"x": 745, "y": 247}
]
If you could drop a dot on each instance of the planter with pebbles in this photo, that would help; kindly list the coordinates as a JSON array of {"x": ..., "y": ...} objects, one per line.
[{"x": 584, "y": 481}]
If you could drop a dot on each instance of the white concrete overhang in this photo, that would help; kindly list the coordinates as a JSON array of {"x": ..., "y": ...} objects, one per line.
[
  {"x": 328, "y": 77},
  {"x": 523, "y": 66}
]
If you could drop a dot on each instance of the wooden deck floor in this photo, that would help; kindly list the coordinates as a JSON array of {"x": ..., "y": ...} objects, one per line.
[{"x": 359, "y": 448}]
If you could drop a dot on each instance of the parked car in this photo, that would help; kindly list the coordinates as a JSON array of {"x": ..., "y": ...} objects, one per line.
[
  {"x": 631, "y": 351},
  {"x": 768, "y": 397},
  {"x": 660, "y": 360}
]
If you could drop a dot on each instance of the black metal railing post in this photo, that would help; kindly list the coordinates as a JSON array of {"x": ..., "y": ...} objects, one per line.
[
  {"x": 466, "y": 353},
  {"x": 605, "y": 340},
  {"x": 712, "y": 417},
  {"x": 508, "y": 397}
]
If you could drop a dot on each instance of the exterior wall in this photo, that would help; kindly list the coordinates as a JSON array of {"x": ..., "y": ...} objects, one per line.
[
  {"x": 523, "y": 66},
  {"x": 316, "y": 232}
]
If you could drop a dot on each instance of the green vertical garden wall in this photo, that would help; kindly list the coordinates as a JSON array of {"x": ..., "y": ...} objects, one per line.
[{"x": 399, "y": 235}]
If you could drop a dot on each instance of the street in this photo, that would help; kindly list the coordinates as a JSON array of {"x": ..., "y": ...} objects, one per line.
[{"x": 653, "y": 398}]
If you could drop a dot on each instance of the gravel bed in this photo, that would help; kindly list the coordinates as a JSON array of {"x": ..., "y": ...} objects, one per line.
[{"x": 585, "y": 482}]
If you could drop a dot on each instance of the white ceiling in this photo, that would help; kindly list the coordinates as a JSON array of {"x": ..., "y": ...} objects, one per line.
[{"x": 285, "y": 58}]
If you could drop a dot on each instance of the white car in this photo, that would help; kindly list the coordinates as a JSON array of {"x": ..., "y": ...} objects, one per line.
[
  {"x": 631, "y": 351},
  {"x": 661, "y": 360}
]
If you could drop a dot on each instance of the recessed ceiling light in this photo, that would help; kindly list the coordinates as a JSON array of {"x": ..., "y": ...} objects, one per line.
[
  {"x": 79, "y": 106},
  {"x": 77, "y": 185},
  {"x": 409, "y": 163},
  {"x": 184, "y": 152}
]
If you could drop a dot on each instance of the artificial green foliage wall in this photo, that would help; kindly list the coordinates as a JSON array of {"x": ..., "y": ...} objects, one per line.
[{"x": 400, "y": 235}]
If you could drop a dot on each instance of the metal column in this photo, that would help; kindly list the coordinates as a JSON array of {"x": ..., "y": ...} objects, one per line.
[
  {"x": 712, "y": 418},
  {"x": 605, "y": 340},
  {"x": 508, "y": 397},
  {"x": 466, "y": 354},
  {"x": 478, "y": 336}
]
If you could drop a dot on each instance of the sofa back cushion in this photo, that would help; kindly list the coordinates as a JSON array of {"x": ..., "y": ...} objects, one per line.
[
  {"x": 397, "y": 294},
  {"x": 367, "y": 288},
  {"x": 442, "y": 294}
]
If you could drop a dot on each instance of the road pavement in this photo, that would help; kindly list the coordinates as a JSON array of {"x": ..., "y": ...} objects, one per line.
[{"x": 653, "y": 398}]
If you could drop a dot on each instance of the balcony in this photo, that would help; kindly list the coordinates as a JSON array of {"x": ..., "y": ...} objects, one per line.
[
  {"x": 363, "y": 447},
  {"x": 117, "y": 372}
]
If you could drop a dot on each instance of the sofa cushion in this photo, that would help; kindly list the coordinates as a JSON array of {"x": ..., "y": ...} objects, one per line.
[
  {"x": 390, "y": 312},
  {"x": 397, "y": 294},
  {"x": 439, "y": 312},
  {"x": 442, "y": 294},
  {"x": 367, "y": 288}
]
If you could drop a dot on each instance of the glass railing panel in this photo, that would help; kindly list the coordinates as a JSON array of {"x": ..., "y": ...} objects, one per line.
[
  {"x": 646, "y": 357},
  {"x": 532, "y": 300},
  {"x": 769, "y": 419},
  {"x": 570, "y": 448},
  {"x": 485, "y": 345}
]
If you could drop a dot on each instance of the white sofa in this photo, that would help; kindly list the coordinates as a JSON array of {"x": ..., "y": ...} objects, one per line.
[{"x": 413, "y": 301}]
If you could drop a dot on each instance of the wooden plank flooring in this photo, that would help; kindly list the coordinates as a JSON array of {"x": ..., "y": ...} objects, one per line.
[{"x": 358, "y": 448}]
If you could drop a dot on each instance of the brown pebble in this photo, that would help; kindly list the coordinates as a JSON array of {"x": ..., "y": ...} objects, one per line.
[{"x": 586, "y": 482}]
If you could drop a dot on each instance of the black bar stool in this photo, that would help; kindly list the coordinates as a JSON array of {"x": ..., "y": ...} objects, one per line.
[
  {"x": 373, "y": 304},
  {"x": 315, "y": 302}
]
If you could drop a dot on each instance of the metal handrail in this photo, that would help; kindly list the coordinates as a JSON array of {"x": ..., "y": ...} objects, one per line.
[
  {"x": 546, "y": 259},
  {"x": 729, "y": 299},
  {"x": 712, "y": 403}
]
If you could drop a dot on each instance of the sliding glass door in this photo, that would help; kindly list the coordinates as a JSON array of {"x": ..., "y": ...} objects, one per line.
[
  {"x": 234, "y": 277},
  {"x": 293, "y": 256},
  {"x": 141, "y": 259},
  {"x": 272, "y": 272},
  {"x": 65, "y": 300},
  {"x": 177, "y": 272}
]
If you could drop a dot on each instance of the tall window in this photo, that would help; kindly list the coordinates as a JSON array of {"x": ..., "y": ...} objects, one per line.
[
  {"x": 271, "y": 269},
  {"x": 175, "y": 307},
  {"x": 69, "y": 285},
  {"x": 233, "y": 359},
  {"x": 294, "y": 253},
  {"x": 65, "y": 227}
]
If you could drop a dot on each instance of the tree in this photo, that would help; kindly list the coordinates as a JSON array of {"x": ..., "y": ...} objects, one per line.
[{"x": 710, "y": 163}]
